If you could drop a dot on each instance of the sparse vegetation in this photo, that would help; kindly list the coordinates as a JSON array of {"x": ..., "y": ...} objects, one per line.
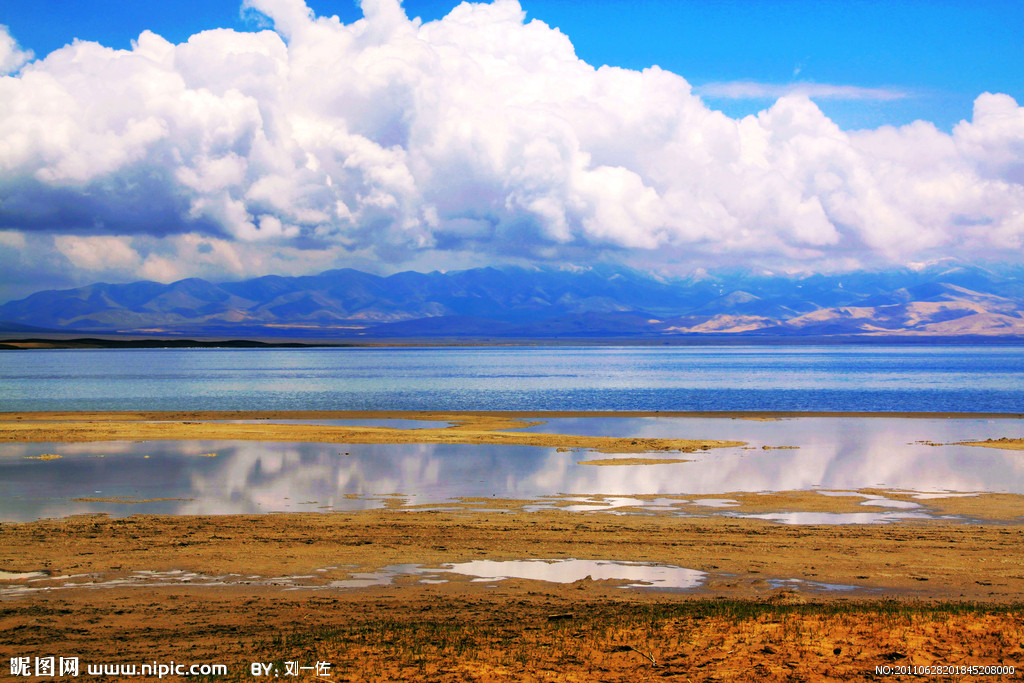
[{"x": 694, "y": 640}]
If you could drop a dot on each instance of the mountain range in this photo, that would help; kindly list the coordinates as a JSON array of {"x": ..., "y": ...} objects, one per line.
[{"x": 945, "y": 299}]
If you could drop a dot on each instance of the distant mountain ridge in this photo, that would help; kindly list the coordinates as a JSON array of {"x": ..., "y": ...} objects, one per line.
[{"x": 599, "y": 301}]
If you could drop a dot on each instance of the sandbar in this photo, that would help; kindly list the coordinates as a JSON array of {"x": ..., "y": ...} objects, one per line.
[
  {"x": 1004, "y": 443},
  {"x": 633, "y": 461},
  {"x": 466, "y": 428}
]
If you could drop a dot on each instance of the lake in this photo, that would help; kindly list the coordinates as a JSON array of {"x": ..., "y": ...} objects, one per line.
[{"x": 706, "y": 378}]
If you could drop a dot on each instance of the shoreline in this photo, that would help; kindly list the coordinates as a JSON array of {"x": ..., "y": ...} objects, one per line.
[
  {"x": 464, "y": 427},
  {"x": 144, "y": 415},
  {"x": 99, "y": 339}
]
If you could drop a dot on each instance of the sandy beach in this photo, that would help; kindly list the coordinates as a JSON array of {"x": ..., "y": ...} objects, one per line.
[{"x": 772, "y": 601}]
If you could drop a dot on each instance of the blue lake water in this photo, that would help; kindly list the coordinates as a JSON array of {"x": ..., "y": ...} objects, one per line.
[{"x": 813, "y": 378}]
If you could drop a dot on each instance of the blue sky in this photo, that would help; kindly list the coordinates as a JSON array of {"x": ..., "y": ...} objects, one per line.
[
  {"x": 936, "y": 55},
  {"x": 778, "y": 135}
]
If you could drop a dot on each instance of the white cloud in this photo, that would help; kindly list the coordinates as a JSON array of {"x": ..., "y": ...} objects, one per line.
[
  {"x": 12, "y": 239},
  {"x": 42, "y": 261},
  {"x": 103, "y": 253},
  {"x": 12, "y": 57},
  {"x": 481, "y": 133},
  {"x": 160, "y": 269}
]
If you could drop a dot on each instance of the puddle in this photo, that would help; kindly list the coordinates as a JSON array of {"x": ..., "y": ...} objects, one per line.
[
  {"x": 833, "y": 518},
  {"x": 841, "y": 494},
  {"x": 629, "y": 575},
  {"x": 384, "y": 576},
  {"x": 812, "y": 585},
  {"x": 715, "y": 502},
  {"x": 883, "y": 502},
  {"x": 150, "y": 578},
  {"x": 942, "y": 494},
  {"x": 598, "y": 504},
  {"x": 46, "y": 583},
  {"x": 635, "y": 574},
  {"x": 20, "y": 576}
]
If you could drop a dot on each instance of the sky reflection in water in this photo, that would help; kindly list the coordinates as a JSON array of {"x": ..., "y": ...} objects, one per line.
[
  {"x": 259, "y": 477},
  {"x": 635, "y": 574}
]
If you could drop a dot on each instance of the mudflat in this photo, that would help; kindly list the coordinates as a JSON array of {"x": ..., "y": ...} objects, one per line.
[
  {"x": 240, "y": 589},
  {"x": 378, "y": 594}
]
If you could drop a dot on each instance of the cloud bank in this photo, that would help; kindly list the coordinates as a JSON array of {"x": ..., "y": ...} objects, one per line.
[{"x": 319, "y": 143}]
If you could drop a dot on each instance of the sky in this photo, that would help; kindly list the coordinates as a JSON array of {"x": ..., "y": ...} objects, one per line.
[{"x": 223, "y": 140}]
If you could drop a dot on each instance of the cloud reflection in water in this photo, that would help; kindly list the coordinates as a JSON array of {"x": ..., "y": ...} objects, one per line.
[{"x": 256, "y": 477}]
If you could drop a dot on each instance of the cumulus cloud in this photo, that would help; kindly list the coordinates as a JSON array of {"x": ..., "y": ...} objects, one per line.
[
  {"x": 31, "y": 261},
  {"x": 97, "y": 253},
  {"x": 11, "y": 56},
  {"x": 481, "y": 133}
]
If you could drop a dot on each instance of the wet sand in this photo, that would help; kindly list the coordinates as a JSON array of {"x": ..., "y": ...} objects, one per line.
[
  {"x": 920, "y": 560},
  {"x": 925, "y": 594},
  {"x": 957, "y": 586},
  {"x": 466, "y": 428}
]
